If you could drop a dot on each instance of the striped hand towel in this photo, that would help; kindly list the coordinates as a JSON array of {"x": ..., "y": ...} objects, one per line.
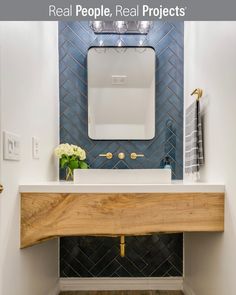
[{"x": 193, "y": 139}]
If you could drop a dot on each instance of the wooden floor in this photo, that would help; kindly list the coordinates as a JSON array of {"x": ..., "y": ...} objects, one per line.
[{"x": 122, "y": 293}]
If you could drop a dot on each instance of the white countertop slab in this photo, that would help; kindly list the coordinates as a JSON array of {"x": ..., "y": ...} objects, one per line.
[{"x": 70, "y": 187}]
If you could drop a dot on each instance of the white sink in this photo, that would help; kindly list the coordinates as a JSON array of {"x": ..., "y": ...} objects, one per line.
[{"x": 122, "y": 176}]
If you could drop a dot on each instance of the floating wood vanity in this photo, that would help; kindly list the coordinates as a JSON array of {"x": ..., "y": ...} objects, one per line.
[{"x": 53, "y": 210}]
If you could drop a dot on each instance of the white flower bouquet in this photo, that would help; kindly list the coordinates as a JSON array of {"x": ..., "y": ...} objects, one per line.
[{"x": 71, "y": 157}]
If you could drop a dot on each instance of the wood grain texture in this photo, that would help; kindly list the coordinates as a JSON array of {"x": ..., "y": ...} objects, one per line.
[
  {"x": 49, "y": 215},
  {"x": 151, "y": 292}
]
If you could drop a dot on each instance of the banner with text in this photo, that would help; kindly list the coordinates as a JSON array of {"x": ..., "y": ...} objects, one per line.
[{"x": 117, "y": 10}]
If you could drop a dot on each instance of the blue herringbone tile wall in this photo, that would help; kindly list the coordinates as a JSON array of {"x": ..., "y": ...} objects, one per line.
[{"x": 163, "y": 254}]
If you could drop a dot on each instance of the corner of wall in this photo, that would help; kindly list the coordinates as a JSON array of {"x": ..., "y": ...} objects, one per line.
[{"x": 187, "y": 289}]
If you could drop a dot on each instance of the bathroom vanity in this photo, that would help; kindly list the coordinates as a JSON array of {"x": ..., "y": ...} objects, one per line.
[{"x": 56, "y": 209}]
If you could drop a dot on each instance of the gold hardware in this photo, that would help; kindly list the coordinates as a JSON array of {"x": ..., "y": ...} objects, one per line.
[
  {"x": 198, "y": 92},
  {"x": 121, "y": 156},
  {"x": 134, "y": 156},
  {"x": 1, "y": 188},
  {"x": 107, "y": 155},
  {"x": 122, "y": 246}
]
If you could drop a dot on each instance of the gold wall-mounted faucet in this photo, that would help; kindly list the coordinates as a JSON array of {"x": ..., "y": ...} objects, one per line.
[
  {"x": 134, "y": 156},
  {"x": 121, "y": 156},
  {"x": 108, "y": 155}
]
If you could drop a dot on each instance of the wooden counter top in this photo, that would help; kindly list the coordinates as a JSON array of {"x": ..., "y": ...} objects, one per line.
[{"x": 46, "y": 215}]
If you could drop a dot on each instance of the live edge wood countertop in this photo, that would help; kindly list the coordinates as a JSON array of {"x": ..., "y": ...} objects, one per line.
[{"x": 54, "y": 209}]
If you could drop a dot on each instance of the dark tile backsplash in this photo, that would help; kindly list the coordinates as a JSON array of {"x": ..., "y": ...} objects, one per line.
[
  {"x": 157, "y": 255},
  {"x": 146, "y": 256}
]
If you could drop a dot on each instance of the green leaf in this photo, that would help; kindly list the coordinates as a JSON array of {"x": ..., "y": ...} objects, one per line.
[
  {"x": 73, "y": 164},
  {"x": 73, "y": 158},
  {"x": 83, "y": 165},
  {"x": 63, "y": 162}
]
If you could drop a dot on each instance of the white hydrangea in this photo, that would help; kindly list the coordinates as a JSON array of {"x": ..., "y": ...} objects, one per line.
[
  {"x": 70, "y": 150},
  {"x": 78, "y": 151}
]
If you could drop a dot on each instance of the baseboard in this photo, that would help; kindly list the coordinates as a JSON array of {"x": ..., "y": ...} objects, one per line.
[
  {"x": 56, "y": 289},
  {"x": 90, "y": 284},
  {"x": 187, "y": 289}
]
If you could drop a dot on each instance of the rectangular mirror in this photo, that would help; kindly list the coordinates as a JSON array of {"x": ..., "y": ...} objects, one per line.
[{"x": 121, "y": 93}]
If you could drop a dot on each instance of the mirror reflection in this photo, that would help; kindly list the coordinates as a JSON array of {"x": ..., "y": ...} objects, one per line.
[{"x": 121, "y": 93}]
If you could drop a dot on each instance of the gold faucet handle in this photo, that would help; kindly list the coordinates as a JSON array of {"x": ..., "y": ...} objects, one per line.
[
  {"x": 107, "y": 155},
  {"x": 134, "y": 156}
]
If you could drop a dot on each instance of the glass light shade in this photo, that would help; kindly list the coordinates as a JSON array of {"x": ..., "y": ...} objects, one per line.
[
  {"x": 120, "y": 26},
  {"x": 97, "y": 26},
  {"x": 144, "y": 26}
]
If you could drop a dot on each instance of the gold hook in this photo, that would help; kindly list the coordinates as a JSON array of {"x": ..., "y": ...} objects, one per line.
[{"x": 198, "y": 92}]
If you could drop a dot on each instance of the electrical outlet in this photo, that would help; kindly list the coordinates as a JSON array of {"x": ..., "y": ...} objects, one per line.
[
  {"x": 35, "y": 148},
  {"x": 11, "y": 146}
]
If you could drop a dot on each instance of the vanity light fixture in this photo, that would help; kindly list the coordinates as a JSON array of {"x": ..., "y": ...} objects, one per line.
[
  {"x": 97, "y": 26},
  {"x": 144, "y": 26},
  {"x": 121, "y": 27}
]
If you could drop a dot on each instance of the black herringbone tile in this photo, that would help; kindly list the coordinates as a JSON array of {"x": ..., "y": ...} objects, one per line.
[{"x": 157, "y": 255}]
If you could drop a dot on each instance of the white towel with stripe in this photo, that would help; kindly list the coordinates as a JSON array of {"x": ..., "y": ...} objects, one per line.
[{"x": 194, "y": 157}]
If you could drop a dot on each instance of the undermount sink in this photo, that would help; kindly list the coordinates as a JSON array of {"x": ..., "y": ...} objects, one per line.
[{"x": 122, "y": 176}]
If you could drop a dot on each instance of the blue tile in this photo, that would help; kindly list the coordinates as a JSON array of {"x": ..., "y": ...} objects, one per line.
[{"x": 167, "y": 38}]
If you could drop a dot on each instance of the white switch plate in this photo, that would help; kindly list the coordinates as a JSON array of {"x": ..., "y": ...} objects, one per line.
[
  {"x": 11, "y": 146},
  {"x": 35, "y": 147}
]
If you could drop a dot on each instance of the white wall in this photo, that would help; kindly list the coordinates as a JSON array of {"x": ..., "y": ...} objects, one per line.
[
  {"x": 210, "y": 63},
  {"x": 29, "y": 107}
]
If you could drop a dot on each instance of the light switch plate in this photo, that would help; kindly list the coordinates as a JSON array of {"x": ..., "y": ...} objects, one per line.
[
  {"x": 11, "y": 146},
  {"x": 35, "y": 148}
]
